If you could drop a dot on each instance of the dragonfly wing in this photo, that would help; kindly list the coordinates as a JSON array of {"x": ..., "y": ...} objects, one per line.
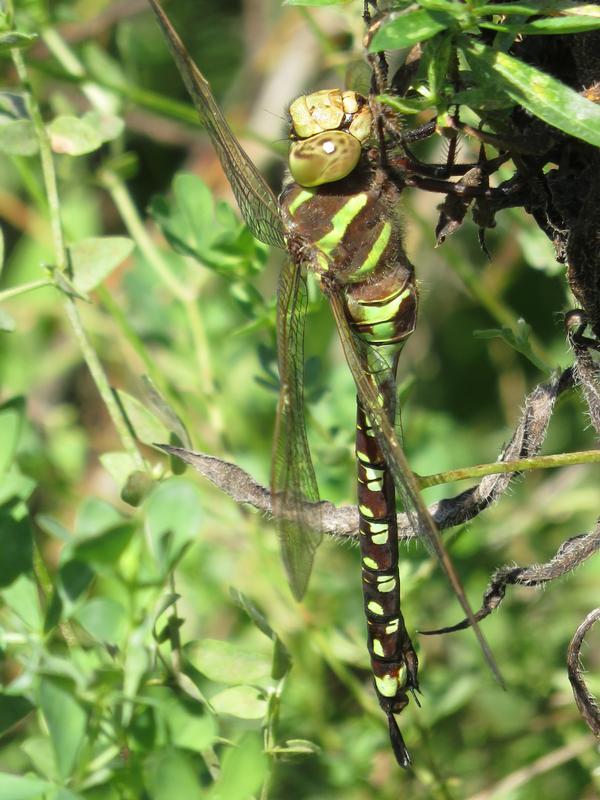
[
  {"x": 255, "y": 199},
  {"x": 369, "y": 384},
  {"x": 293, "y": 482}
]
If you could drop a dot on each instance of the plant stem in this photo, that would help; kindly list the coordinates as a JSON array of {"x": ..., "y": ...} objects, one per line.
[
  {"x": 62, "y": 263},
  {"x": 518, "y": 465},
  {"x": 23, "y": 288},
  {"x": 135, "y": 226}
]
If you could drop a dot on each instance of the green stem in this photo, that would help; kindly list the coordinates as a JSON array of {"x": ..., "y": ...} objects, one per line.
[
  {"x": 23, "y": 288},
  {"x": 518, "y": 465},
  {"x": 62, "y": 264},
  {"x": 135, "y": 226}
]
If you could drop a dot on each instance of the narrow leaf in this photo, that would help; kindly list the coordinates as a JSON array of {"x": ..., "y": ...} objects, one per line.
[
  {"x": 543, "y": 95},
  {"x": 406, "y": 29}
]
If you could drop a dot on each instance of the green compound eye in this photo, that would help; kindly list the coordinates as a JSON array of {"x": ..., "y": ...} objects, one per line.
[{"x": 324, "y": 158}]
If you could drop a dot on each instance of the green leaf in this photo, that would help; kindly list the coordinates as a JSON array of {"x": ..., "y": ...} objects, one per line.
[
  {"x": 243, "y": 770},
  {"x": 72, "y": 136},
  {"x": 316, "y": 2},
  {"x": 74, "y": 577},
  {"x": 15, "y": 39},
  {"x": 189, "y": 725},
  {"x": 104, "y": 619},
  {"x": 95, "y": 515},
  {"x": 108, "y": 126},
  {"x": 106, "y": 547},
  {"x": 407, "y": 29},
  {"x": 66, "y": 720},
  {"x": 224, "y": 662},
  {"x": 18, "y": 138},
  {"x": 518, "y": 339},
  {"x": 174, "y": 518},
  {"x": 548, "y": 26},
  {"x": 8, "y": 324},
  {"x": 166, "y": 414},
  {"x": 543, "y": 95},
  {"x": 146, "y": 426},
  {"x": 119, "y": 466},
  {"x": 406, "y": 106},
  {"x": 166, "y": 769},
  {"x": 92, "y": 260},
  {"x": 13, "y": 709},
  {"x": 12, "y": 415},
  {"x": 23, "y": 598},
  {"x": 13, "y": 787},
  {"x": 245, "y": 702},
  {"x": 16, "y": 542}
]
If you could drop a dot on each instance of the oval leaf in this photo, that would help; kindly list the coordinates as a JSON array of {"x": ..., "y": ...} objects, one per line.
[
  {"x": 73, "y": 136},
  {"x": 245, "y": 702},
  {"x": 66, "y": 720},
  {"x": 17, "y": 138},
  {"x": 226, "y": 663},
  {"x": 93, "y": 259},
  {"x": 13, "y": 787}
]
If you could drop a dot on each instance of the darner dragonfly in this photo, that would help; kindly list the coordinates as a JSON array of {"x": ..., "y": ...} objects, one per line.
[{"x": 338, "y": 217}]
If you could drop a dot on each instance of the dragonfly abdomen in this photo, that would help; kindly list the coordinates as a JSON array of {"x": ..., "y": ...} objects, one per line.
[{"x": 393, "y": 659}]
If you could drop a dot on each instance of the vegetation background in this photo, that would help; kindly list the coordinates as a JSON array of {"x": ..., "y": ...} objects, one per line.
[{"x": 129, "y": 668}]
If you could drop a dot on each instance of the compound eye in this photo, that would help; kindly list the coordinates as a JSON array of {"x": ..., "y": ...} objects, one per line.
[{"x": 324, "y": 158}]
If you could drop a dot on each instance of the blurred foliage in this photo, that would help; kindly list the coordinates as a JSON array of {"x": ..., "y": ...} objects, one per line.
[{"x": 129, "y": 668}]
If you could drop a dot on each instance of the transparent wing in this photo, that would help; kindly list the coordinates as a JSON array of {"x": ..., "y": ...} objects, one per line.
[
  {"x": 293, "y": 482},
  {"x": 370, "y": 378},
  {"x": 255, "y": 199}
]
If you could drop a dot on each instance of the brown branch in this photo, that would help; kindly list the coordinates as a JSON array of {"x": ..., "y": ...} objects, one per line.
[{"x": 586, "y": 702}]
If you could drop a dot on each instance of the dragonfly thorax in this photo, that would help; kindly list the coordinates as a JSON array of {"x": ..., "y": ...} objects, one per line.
[{"x": 328, "y": 130}]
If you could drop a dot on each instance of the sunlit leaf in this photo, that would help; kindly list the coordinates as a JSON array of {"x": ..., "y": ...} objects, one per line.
[
  {"x": 245, "y": 702},
  {"x": 146, "y": 426},
  {"x": 543, "y": 95},
  {"x": 14, "y": 787},
  {"x": 66, "y": 720},
  {"x": 169, "y": 768},
  {"x": 406, "y": 29},
  {"x": 15, "y": 40},
  {"x": 93, "y": 259},
  {"x": 73, "y": 136},
  {"x": 18, "y": 138},
  {"x": 243, "y": 770},
  {"x": 226, "y": 663}
]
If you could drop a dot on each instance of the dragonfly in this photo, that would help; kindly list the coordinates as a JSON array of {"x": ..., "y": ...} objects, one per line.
[{"x": 338, "y": 217}]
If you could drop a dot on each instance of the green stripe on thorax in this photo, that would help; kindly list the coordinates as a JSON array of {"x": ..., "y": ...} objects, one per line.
[
  {"x": 371, "y": 262},
  {"x": 340, "y": 222}
]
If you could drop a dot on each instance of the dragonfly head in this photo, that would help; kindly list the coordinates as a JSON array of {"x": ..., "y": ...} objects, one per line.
[{"x": 328, "y": 130}]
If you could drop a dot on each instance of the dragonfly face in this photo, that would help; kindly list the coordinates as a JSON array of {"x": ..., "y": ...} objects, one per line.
[{"x": 328, "y": 131}]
